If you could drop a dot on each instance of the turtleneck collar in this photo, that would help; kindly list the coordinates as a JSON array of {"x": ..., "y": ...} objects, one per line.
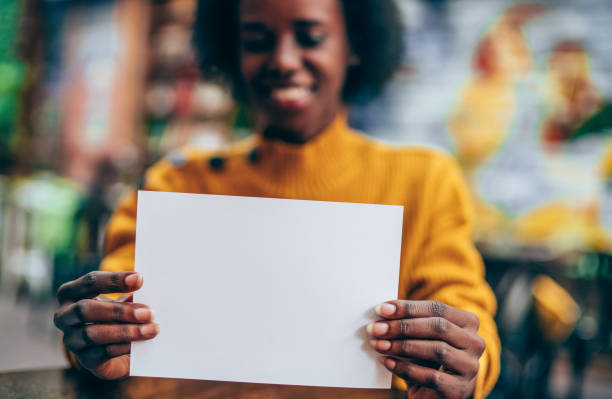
[{"x": 321, "y": 163}]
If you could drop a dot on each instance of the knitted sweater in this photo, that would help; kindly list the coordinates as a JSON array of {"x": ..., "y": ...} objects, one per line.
[{"x": 438, "y": 259}]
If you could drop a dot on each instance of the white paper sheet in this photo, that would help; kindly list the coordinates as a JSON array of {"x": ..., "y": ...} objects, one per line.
[{"x": 264, "y": 290}]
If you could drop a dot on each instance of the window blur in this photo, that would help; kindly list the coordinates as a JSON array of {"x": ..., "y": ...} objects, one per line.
[{"x": 93, "y": 92}]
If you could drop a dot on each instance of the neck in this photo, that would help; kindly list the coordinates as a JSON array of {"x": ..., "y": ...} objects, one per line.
[
  {"x": 287, "y": 136},
  {"x": 295, "y": 136},
  {"x": 324, "y": 161}
]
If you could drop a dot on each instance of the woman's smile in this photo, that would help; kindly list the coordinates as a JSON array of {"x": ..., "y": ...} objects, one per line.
[{"x": 290, "y": 98}]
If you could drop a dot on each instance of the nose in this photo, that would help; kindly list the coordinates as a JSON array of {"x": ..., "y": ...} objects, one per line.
[{"x": 286, "y": 57}]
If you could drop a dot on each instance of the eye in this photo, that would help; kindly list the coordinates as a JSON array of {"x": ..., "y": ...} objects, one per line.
[
  {"x": 257, "y": 42},
  {"x": 309, "y": 39}
]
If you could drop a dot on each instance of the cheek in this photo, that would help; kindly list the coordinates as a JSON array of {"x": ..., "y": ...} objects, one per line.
[
  {"x": 332, "y": 73},
  {"x": 331, "y": 64},
  {"x": 250, "y": 66}
]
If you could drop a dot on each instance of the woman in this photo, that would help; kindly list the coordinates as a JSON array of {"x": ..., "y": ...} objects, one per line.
[{"x": 298, "y": 63}]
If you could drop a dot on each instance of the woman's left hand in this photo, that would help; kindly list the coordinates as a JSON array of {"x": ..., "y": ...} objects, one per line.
[{"x": 432, "y": 346}]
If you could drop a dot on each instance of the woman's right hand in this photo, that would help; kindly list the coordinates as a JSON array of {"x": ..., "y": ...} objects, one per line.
[{"x": 99, "y": 331}]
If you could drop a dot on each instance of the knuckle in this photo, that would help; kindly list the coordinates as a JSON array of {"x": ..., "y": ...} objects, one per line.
[
  {"x": 480, "y": 345},
  {"x": 93, "y": 357},
  {"x": 86, "y": 359},
  {"x": 441, "y": 352},
  {"x": 440, "y": 326},
  {"x": 88, "y": 335},
  {"x": 407, "y": 348},
  {"x": 116, "y": 350},
  {"x": 61, "y": 290},
  {"x": 404, "y": 326},
  {"x": 118, "y": 311},
  {"x": 115, "y": 282},
  {"x": 90, "y": 279},
  {"x": 67, "y": 341},
  {"x": 438, "y": 309},
  {"x": 81, "y": 309},
  {"x": 474, "y": 368},
  {"x": 57, "y": 319},
  {"x": 108, "y": 352},
  {"x": 475, "y": 321},
  {"x": 403, "y": 369},
  {"x": 409, "y": 308},
  {"x": 433, "y": 380},
  {"x": 125, "y": 333}
]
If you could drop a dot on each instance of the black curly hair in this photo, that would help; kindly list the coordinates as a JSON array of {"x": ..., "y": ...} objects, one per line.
[{"x": 374, "y": 27}]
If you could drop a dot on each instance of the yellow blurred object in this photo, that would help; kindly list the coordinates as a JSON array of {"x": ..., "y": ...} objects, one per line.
[
  {"x": 557, "y": 312},
  {"x": 562, "y": 228},
  {"x": 481, "y": 121},
  {"x": 571, "y": 94},
  {"x": 606, "y": 163},
  {"x": 490, "y": 221},
  {"x": 488, "y": 102}
]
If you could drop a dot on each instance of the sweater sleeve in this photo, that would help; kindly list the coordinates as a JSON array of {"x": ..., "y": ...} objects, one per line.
[
  {"x": 446, "y": 266},
  {"x": 120, "y": 237}
]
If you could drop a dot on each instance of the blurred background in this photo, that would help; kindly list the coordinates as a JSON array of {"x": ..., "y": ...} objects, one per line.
[{"x": 93, "y": 92}]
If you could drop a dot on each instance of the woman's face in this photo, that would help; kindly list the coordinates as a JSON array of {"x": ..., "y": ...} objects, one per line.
[{"x": 294, "y": 56}]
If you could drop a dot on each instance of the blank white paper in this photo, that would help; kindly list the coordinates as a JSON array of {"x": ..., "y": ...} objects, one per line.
[{"x": 264, "y": 290}]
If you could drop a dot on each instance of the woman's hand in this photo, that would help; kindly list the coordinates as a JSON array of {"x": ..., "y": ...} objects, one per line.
[
  {"x": 432, "y": 346},
  {"x": 98, "y": 331}
]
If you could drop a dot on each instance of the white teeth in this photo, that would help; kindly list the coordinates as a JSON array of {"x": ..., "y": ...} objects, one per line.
[{"x": 289, "y": 93}]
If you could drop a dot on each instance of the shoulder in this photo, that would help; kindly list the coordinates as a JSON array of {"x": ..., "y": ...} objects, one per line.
[
  {"x": 419, "y": 161},
  {"x": 433, "y": 181},
  {"x": 180, "y": 168},
  {"x": 429, "y": 158}
]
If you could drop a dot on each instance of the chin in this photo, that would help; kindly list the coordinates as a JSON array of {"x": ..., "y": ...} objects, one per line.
[
  {"x": 289, "y": 131},
  {"x": 297, "y": 124},
  {"x": 304, "y": 125}
]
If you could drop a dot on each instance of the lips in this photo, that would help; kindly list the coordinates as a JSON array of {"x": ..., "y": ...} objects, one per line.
[
  {"x": 286, "y": 96},
  {"x": 289, "y": 93},
  {"x": 290, "y": 98}
]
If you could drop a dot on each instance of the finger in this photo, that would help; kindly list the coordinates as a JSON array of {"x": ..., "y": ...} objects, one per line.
[
  {"x": 446, "y": 384},
  {"x": 91, "y": 310},
  {"x": 95, "y": 283},
  {"x": 77, "y": 339},
  {"x": 427, "y": 328},
  {"x": 403, "y": 309},
  {"x": 438, "y": 352},
  {"x": 97, "y": 355}
]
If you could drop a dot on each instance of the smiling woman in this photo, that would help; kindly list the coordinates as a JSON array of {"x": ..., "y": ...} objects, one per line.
[
  {"x": 299, "y": 64},
  {"x": 327, "y": 53}
]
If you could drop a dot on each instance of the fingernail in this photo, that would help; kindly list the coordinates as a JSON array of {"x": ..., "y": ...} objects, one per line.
[
  {"x": 384, "y": 345},
  {"x": 134, "y": 280},
  {"x": 377, "y": 328},
  {"x": 390, "y": 363},
  {"x": 143, "y": 314},
  {"x": 386, "y": 309},
  {"x": 149, "y": 330},
  {"x": 380, "y": 344}
]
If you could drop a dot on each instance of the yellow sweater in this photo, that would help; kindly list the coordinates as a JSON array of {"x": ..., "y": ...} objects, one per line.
[{"x": 438, "y": 259}]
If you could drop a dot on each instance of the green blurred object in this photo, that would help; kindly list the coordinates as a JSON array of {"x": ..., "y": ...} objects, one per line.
[
  {"x": 52, "y": 202},
  {"x": 12, "y": 73},
  {"x": 600, "y": 122},
  {"x": 45, "y": 248}
]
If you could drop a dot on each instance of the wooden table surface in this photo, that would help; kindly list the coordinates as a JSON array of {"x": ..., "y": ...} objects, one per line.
[{"x": 68, "y": 384}]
